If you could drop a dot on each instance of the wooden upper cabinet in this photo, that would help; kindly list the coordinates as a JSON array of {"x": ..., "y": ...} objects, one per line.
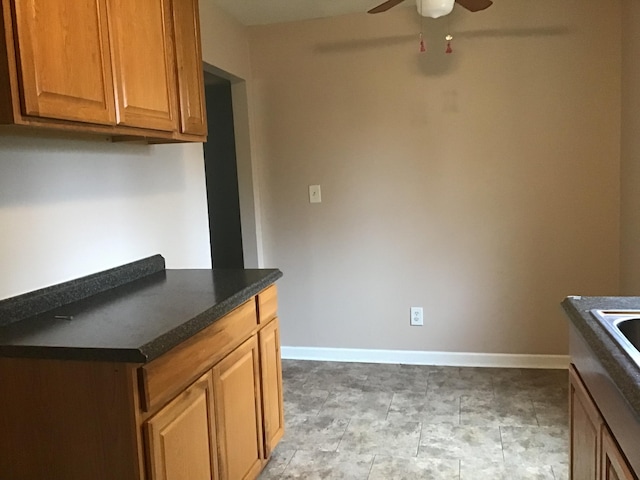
[
  {"x": 63, "y": 60},
  {"x": 193, "y": 115},
  {"x": 125, "y": 68},
  {"x": 145, "y": 84}
]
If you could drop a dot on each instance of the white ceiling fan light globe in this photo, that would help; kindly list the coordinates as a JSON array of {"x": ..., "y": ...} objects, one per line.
[{"x": 435, "y": 8}]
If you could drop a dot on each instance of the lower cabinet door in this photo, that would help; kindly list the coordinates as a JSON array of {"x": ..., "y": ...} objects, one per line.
[
  {"x": 238, "y": 420},
  {"x": 614, "y": 466},
  {"x": 586, "y": 425},
  {"x": 271, "y": 365},
  {"x": 181, "y": 438}
]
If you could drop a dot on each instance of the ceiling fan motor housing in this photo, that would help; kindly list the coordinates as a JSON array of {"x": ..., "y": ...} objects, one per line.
[{"x": 435, "y": 8}]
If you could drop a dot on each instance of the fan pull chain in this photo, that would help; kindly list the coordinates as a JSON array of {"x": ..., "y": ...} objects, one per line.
[
  {"x": 449, "y": 37},
  {"x": 423, "y": 46}
]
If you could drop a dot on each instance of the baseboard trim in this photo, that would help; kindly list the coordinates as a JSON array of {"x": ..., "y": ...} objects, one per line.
[{"x": 455, "y": 359}]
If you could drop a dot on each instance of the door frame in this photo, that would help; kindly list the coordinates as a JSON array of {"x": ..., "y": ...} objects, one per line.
[{"x": 248, "y": 189}]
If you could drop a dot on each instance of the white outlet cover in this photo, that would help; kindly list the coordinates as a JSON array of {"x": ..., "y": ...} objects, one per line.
[{"x": 417, "y": 316}]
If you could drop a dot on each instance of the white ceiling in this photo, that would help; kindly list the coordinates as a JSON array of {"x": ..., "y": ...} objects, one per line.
[{"x": 259, "y": 12}]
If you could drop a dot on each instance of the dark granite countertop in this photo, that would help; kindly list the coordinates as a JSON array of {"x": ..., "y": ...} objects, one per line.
[
  {"x": 623, "y": 370},
  {"x": 131, "y": 314}
]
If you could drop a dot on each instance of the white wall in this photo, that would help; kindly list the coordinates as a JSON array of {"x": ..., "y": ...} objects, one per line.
[
  {"x": 483, "y": 186},
  {"x": 72, "y": 207}
]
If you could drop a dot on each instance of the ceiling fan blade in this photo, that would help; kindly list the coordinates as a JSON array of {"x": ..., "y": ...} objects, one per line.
[
  {"x": 474, "y": 5},
  {"x": 383, "y": 7}
]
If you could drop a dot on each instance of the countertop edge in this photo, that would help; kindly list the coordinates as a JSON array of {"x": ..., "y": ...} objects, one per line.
[
  {"x": 173, "y": 338},
  {"x": 23, "y": 306},
  {"x": 157, "y": 344},
  {"x": 623, "y": 371}
]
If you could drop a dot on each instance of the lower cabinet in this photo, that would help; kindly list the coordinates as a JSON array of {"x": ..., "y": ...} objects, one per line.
[
  {"x": 594, "y": 452},
  {"x": 208, "y": 409},
  {"x": 225, "y": 424},
  {"x": 236, "y": 384},
  {"x": 586, "y": 425},
  {"x": 272, "y": 402},
  {"x": 614, "y": 466},
  {"x": 181, "y": 439}
]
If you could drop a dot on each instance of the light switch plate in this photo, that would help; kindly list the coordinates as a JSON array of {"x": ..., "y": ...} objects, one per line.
[{"x": 315, "y": 195}]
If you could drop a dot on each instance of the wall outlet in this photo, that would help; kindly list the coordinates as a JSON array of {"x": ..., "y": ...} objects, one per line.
[{"x": 417, "y": 317}]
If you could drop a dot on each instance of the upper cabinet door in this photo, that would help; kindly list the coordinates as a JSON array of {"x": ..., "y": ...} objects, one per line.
[
  {"x": 64, "y": 61},
  {"x": 193, "y": 116},
  {"x": 145, "y": 84}
]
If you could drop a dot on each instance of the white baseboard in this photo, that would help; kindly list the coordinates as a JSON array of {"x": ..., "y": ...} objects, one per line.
[{"x": 454, "y": 359}]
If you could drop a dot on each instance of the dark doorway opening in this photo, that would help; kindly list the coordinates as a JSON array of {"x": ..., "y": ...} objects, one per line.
[{"x": 221, "y": 173}]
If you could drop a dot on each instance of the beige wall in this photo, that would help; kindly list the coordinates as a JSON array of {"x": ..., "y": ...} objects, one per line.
[
  {"x": 630, "y": 157},
  {"x": 483, "y": 186},
  {"x": 224, "y": 41},
  {"x": 225, "y": 45},
  {"x": 71, "y": 207}
]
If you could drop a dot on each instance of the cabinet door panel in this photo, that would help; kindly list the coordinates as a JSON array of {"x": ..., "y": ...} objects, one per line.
[
  {"x": 193, "y": 116},
  {"x": 586, "y": 425},
  {"x": 238, "y": 412},
  {"x": 614, "y": 466},
  {"x": 271, "y": 369},
  {"x": 64, "y": 60},
  {"x": 181, "y": 438},
  {"x": 143, "y": 63}
]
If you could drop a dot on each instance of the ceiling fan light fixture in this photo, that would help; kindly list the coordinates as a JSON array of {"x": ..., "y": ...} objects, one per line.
[{"x": 435, "y": 8}]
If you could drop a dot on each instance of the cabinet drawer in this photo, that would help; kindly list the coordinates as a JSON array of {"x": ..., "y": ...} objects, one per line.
[
  {"x": 267, "y": 304},
  {"x": 168, "y": 375}
]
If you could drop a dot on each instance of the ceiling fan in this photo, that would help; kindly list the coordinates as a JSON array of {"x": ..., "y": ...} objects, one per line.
[{"x": 436, "y": 8}]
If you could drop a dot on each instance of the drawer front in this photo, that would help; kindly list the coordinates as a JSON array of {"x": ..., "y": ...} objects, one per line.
[
  {"x": 168, "y": 375},
  {"x": 267, "y": 304}
]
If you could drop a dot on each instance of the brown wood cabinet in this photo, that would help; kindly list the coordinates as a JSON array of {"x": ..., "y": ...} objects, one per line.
[
  {"x": 594, "y": 453},
  {"x": 181, "y": 440},
  {"x": 59, "y": 81},
  {"x": 586, "y": 425},
  {"x": 236, "y": 383},
  {"x": 614, "y": 466},
  {"x": 143, "y": 62},
  {"x": 209, "y": 408},
  {"x": 186, "y": 21},
  {"x": 115, "y": 67},
  {"x": 272, "y": 399}
]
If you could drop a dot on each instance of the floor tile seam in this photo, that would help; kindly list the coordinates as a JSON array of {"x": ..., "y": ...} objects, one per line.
[
  {"x": 287, "y": 464},
  {"x": 329, "y": 392},
  {"x": 373, "y": 461},
  {"x": 535, "y": 412},
  {"x": 343, "y": 434},
  {"x": 386, "y": 416},
  {"x": 419, "y": 439}
]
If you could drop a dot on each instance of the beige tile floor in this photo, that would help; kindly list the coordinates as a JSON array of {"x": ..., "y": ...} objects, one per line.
[{"x": 386, "y": 422}]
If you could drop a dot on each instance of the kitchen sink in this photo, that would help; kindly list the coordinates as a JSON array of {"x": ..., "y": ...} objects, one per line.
[{"x": 624, "y": 327}]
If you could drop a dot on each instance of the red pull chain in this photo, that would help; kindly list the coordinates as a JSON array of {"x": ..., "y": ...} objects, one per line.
[{"x": 449, "y": 50}]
